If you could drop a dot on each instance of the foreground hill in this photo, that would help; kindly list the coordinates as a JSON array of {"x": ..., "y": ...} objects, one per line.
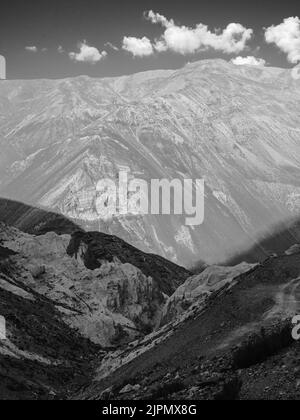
[
  {"x": 62, "y": 314},
  {"x": 234, "y": 344},
  {"x": 235, "y": 126},
  {"x": 85, "y": 319}
]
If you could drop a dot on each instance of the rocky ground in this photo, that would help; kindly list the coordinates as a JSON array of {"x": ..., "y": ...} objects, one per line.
[{"x": 237, "y": 345}]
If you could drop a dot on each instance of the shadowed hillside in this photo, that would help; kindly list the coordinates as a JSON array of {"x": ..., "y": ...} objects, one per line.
[
  {"x": 283, "y": 237},
  {"x": 34, "y": 220}
]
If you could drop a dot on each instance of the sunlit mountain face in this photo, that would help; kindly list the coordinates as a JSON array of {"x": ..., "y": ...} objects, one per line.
[{"x": 237, "y": 127}]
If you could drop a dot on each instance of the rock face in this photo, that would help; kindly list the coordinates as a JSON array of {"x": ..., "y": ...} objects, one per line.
[
  {"x": 95, "y": 247},
  {"x": 110, "y": 305},
  {"x": 41, "y": 357},
  {"x": 237, "y": 127},
  {"x": 68, "y": 300}
]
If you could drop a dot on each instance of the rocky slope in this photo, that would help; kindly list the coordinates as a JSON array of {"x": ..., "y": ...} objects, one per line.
[
  {"x": 109, "y": 302},
  {"x": 236, "y": 344},
  {"x": 237, "y": 127},
  {"x": 196, "y": 289},
  {"x": 41, "y": 357},
  {"x": 98, "y": 246},
  {"x": 62, "y": 314},
  {"x": 34, "y": 220},
  {"x": 82, "y": 323}
]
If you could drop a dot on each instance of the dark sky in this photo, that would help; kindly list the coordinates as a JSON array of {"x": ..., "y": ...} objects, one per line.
[{"x": 47, "y": 24}]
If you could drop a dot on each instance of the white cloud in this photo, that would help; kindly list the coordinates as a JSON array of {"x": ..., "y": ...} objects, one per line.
[
  {"x": 87, "y": 54},
  {"x": 157, "y": 18},
  {"x": 185, "y": 40},
  {"x": 60, "y": 49},
  {"x": 31, "y": 48},
  {"x": 287, "y": 38},
  {"x": 112, "y": 46},
  {"x": 139, "y": 47},
  {"x": 248, "y": 61}
]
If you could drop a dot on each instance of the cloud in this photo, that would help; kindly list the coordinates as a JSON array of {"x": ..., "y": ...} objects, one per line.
[
  {"x": 87, "y": 54},
  {"x": 286, "y": 37},
  {"x": 112, "y": 46},
  {"x": 185, "y": 40},
  {"x": 138, "y": 47},
  {"x": 157, "y": 18},
  {"x": 60, "y": 49},
  {"x": 32, "y": 48},
  {"x": 248, "y": 61}
]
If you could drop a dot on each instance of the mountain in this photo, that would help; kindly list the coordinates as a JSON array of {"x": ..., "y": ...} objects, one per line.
[{"x": 235, "y": 126}]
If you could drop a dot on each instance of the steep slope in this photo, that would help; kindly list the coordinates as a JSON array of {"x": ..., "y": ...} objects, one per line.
[
  {"x": 42, "y": 357},
  {"x": 34, "y": 220},
  {"x": 236, "y": 345},
  {"x": 195, "y": 290},
  {"x": 110, "y": 301},
  {"x": 236, "y": 127},
  {"x": 100, "y": 247},
  {"x": 228, "y": 336},
  {"x": 66, "y": 303},
  {"x": 97, "y": 246}
]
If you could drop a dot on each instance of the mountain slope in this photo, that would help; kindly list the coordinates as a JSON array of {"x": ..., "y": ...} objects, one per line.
[
  {"x": 63, "y": 315},
  {"x": 95, "y": 247},
  {"x": 33, "y": 220},
  {"x": 237, "y": 127},
  {"x": 81, "y": 323},
  {"x": 42, "y": 357},
  {"x": 101, "y": 247},
  {"x": 236, "y": 344}
]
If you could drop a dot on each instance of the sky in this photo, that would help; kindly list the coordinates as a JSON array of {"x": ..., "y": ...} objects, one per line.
[{"x": 66, "y": 38}]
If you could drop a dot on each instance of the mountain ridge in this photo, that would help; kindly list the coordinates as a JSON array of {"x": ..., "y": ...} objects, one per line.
[{"x": 159, "y": 70}]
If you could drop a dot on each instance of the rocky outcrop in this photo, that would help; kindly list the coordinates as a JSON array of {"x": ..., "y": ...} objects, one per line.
[
  {"x": 195, "y": 290},
  {"x": 41, "y": 357},
  {"x": 95, "y": 247},
  {"x": 109, "y": 305}
]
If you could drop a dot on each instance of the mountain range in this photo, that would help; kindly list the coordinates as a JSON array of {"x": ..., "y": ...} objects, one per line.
[
  {"x": 145, "y": 307},
  {"x": 236, "y": 127}
]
